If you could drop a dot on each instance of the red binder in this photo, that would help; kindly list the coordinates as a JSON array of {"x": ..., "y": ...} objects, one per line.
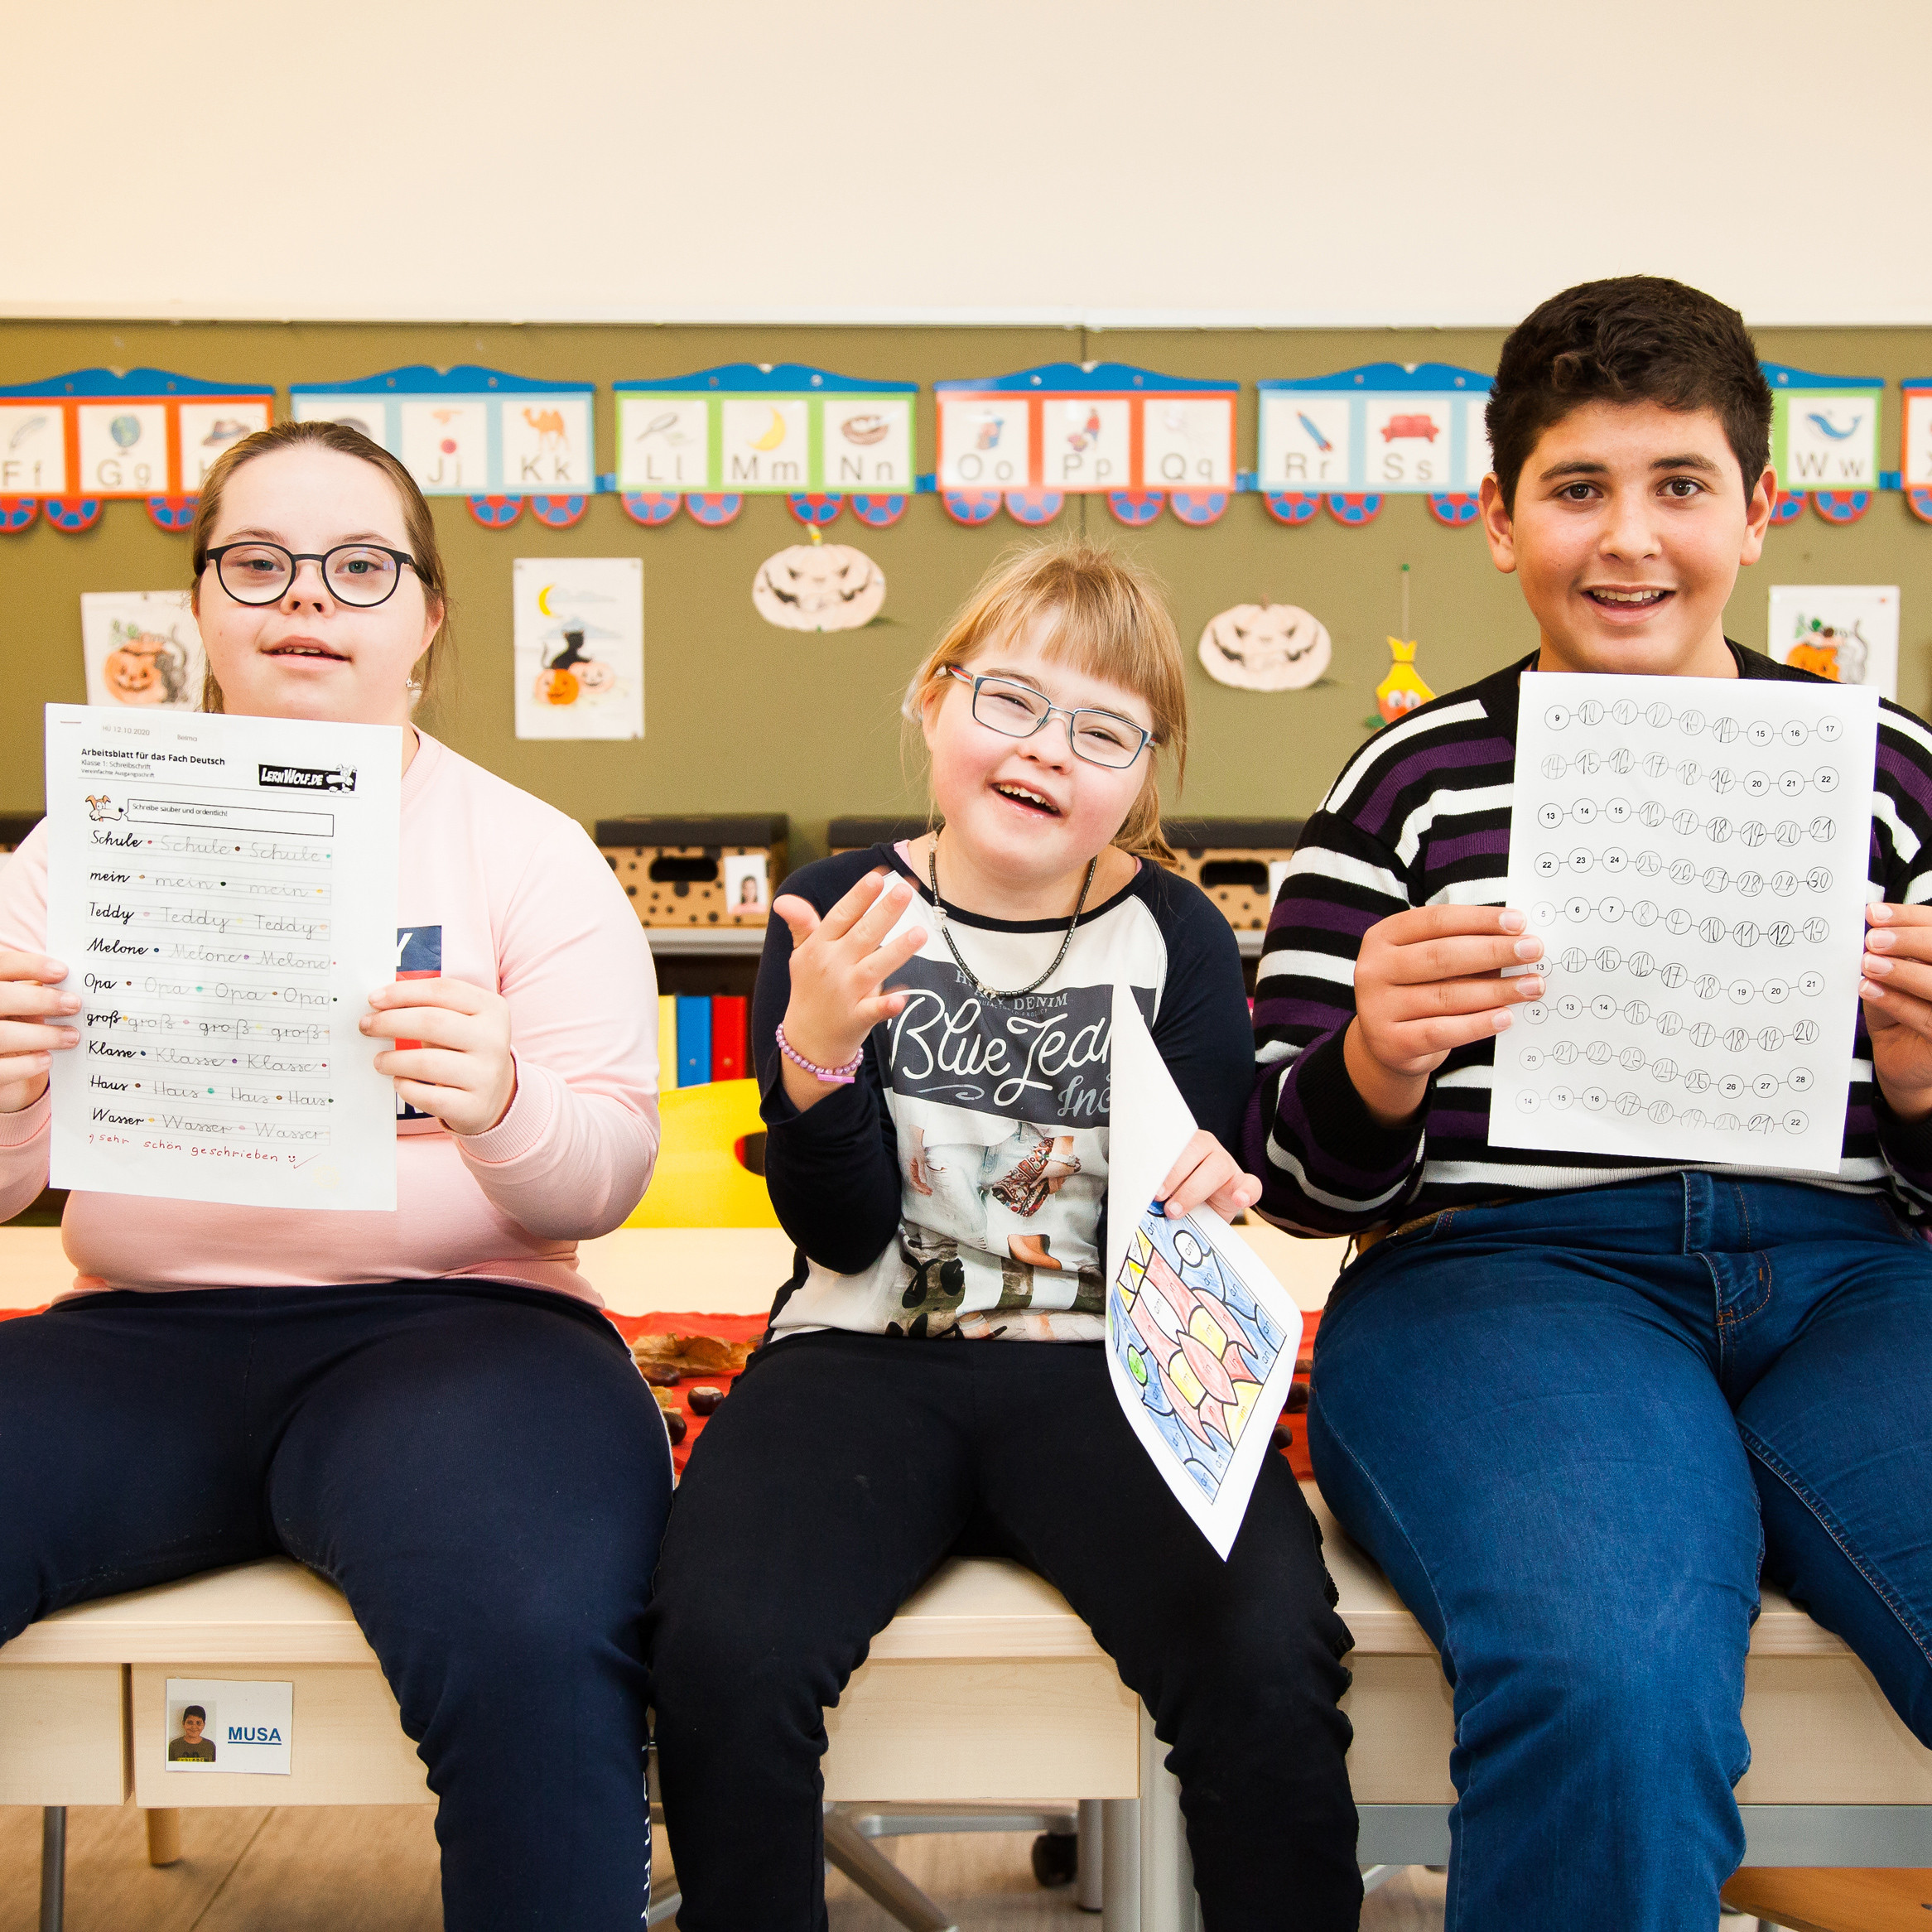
[{"x": 728, "y": 1014}]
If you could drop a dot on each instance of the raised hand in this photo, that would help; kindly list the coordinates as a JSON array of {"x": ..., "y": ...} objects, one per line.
[
  {"x": 1896, "y": 991},
  {"x": 839, "y": 967},
  {"x": 1426, "y": 982},
  {"x": 32, "y": 1007}
]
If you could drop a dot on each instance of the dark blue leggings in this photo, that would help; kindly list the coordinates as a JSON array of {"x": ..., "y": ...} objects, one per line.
[{"x": 479, "y": 1468}]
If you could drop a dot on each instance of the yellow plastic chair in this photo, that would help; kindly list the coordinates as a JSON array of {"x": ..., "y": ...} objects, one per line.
[{"x": 699, "y": 1181}]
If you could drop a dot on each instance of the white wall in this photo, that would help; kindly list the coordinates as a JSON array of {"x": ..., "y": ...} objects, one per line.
[{"x": 1232, "y": 162}]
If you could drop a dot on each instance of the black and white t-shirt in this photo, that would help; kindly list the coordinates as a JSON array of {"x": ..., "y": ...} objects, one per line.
[{"x": 958, "y": 1187}]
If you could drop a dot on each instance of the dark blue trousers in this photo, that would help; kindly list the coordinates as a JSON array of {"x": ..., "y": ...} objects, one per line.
[{"x": 479, "y": 1468}]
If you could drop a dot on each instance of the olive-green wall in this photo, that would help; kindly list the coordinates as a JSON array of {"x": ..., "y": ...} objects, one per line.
[{"x": 740, "y": 717}]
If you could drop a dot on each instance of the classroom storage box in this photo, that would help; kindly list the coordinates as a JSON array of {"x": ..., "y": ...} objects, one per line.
[
  {"x": 693, "y": 871},
  {"x": 854, "y": 834},
  {"x": 1237, "y": 862},
  {"x": 14, "y": 826}
]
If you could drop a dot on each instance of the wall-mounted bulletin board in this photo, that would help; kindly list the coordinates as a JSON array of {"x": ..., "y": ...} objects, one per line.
[{"x": 745, "y": 717}]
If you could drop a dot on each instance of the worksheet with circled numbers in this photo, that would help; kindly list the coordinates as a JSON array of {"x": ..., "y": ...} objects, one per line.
[
  {"x": 223, "y": 893},
  {"x": 1694, "y": 854}
]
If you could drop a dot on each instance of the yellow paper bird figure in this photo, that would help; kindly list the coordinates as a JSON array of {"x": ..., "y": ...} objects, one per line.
[{"x": 1401, "y": 690}]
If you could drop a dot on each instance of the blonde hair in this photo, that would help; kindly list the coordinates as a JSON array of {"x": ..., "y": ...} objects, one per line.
[
  {"x": 1109, "y": 620},
  {"x": 418, "y": 525}
]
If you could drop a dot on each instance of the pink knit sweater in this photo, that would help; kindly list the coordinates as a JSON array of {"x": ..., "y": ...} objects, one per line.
[{"x": 502, "y": 891}]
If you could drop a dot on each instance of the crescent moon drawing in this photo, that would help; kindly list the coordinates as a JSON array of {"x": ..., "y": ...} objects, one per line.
[
  {"x": 772, "y": 436},
  {"x": 542, "y": 600}
]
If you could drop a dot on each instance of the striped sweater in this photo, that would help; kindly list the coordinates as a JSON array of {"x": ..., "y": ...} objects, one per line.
[{"x": 1420, "y": 817}]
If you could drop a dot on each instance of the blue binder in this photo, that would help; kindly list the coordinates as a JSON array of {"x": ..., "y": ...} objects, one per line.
[{"x": 694, "y": 1040}]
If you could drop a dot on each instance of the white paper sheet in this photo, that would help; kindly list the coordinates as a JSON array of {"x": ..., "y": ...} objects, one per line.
[
  {"x": 1200, "y": 1337},
  {"x": 223, "y": 891},
  {"x": 1694, "y": 856}
]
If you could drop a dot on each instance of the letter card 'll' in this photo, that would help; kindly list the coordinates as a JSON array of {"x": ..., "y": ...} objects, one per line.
[
  {"x": 1200, "y": 1337},
  {"x": 1692, "y": 853},
  {"x": 223, "y": 892}
]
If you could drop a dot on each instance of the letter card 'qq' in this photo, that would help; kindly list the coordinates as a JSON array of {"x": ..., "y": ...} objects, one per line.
[{"x": 1694, "y": 854}]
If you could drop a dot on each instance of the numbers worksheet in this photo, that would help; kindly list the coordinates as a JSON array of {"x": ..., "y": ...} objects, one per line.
[{"x": 1694, "y": 854}]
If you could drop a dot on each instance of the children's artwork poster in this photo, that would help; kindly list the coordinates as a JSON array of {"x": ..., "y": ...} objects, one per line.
[
  {"x": 754, "y": 428},
  {"x": 1386, "y": 428},
  {"x": 467, "y": 431},
  {"x": 96, "y": 433},
  {"x": 819, "y": 586},
  {"x": 142, "y": 649},
  {"x": 1825, "y": 429},
  {"x": 1201, "y": 1337},
  {"x": 746, "y": 883},
  {"x": 578, "y": 646},
  {"x": 1694, "y": 858},
  {"x": 218, "y": 1724},
  {"x": 1079, "y": 427},
  {"x": 1847, "y": 633}
]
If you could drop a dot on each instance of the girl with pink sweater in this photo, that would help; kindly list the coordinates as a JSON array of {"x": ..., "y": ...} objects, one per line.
[{"x": 424, "y": 1406}]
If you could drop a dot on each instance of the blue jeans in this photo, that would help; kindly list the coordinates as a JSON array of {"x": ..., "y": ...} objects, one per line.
[{"x": 1570, "y": 1430}]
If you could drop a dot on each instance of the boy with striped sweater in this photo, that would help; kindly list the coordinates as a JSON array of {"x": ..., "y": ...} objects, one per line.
[{"x": 1568, "y": 1401}]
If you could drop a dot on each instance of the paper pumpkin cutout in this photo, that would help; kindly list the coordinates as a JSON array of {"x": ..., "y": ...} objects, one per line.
[
  {"x": 1198, "y": 508},
  {"x": 818, "y": 587},
  {"x": 1265, "y": 646},
  {"x": 1787, "y": 507},
  {"x": 17, "y": 512},
  {"x": 1291, "y": 506},
  {"x": 877, "y": 512},
  {"x": 970, "y": 506},
  {"x": 1453, "y": 509},
  {"x": 1135, "y": 507},
  {"x": 172, "y": 514},
  {"x": 1841, "y": 506},
  {"x": 814, "y": 512},
  {"x": 1402, "y": 690},
  {"x": 496, "y": 513}
]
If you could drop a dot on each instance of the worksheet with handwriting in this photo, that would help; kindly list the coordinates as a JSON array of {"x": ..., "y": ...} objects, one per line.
[
  {"x": 1693, "y": 853},
  {"x": 223, "y": 892}
]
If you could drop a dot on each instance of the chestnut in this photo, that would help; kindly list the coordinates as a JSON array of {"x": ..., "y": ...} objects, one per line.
[
  {"x": 703, "y": 1401},
  {"x": 1283, "y": 1438},
  {"x": 675, "y": 1426},
  {"x": 657, "y": 1375}
]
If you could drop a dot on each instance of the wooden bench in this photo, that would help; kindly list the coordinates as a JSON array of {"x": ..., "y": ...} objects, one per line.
[{"x": 986, "y": 1689}]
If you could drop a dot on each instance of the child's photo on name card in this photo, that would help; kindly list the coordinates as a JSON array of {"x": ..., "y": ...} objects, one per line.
[
  {"x": 223, "y": 1724},
  {"x": 745, "y": 883}
]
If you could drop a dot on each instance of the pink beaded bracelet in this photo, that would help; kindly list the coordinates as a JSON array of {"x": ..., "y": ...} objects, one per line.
[{"x": 831, "y": 1075}]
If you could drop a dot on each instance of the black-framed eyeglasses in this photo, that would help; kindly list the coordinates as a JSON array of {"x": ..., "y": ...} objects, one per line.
[
  {"x": 1017, "y": 711},
  {"x": 361, "y": 574}
]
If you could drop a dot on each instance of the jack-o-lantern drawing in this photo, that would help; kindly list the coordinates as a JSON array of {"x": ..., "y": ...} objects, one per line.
[
  {"x": 819, "y": 586},
  {"x": 145, "y": 668},
  {"x": 570, "y": 677},
  {"x": 1265, "y": 646},
  {"x": 1830, "y": 652}
]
